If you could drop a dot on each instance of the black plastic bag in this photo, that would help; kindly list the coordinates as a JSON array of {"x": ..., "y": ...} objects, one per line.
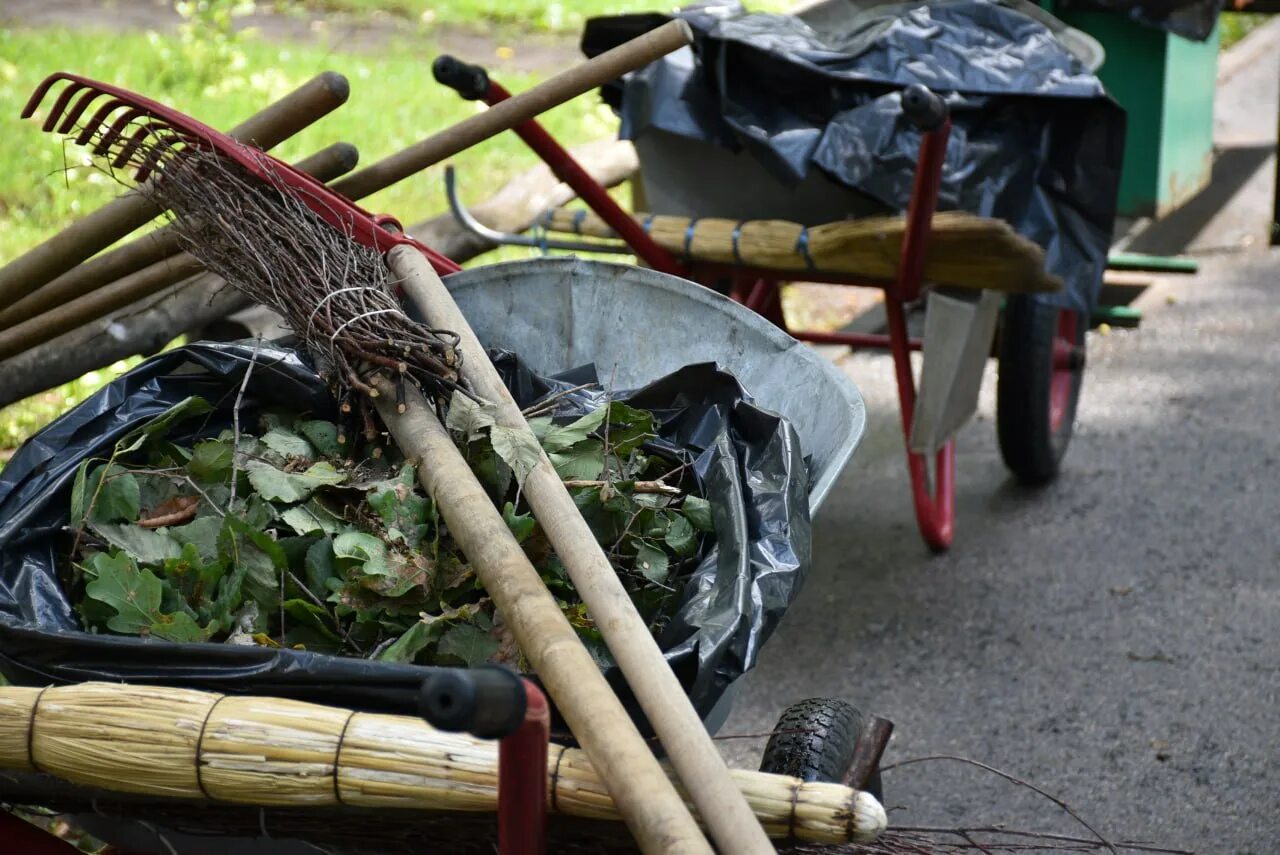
[
  {"x": 748, "y": 462},
  {"x": 1035, "y": 139},
  {"x": 1191, "y": 19}
]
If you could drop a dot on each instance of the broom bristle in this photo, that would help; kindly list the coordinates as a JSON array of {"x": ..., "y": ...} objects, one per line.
[
  {"x": 269, "y": 751},
  {"x": 963, "y": 250},
  {"x": 334, "y": 293}
]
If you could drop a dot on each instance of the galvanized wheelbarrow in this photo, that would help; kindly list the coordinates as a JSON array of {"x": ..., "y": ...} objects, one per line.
[
  {"x": 636, "y": 324},
  {"x": 570, "y": 312}
]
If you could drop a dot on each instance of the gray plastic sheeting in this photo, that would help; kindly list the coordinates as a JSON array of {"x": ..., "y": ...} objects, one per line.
[{"x": 1035, "y": 140}]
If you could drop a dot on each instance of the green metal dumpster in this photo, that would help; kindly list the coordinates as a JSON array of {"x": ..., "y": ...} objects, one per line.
[{"x": 1166, "y": 85}]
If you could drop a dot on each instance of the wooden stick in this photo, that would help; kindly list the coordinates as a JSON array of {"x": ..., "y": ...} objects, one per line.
[
  {"x": 636, "y": 486},
  {"x": 649, "y": 803},
  {"x": 564, "y": 86},
  {"x": 56, "y": 308},
  {"x": 326, "y": 165},
  {"x": 94, "y": 233},
  {"x": 695, "y": 758}
]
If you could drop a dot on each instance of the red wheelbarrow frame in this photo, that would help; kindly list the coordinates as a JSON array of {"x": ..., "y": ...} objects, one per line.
[{"x": 758, "y": 289}]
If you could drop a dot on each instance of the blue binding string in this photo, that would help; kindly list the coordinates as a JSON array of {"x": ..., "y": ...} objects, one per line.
[
  {"x": 688, "y": 237},
  {"x": 737, "y": 233},
  {"x": 578, "y": 217},
  {"x": 802, "y": 247}
]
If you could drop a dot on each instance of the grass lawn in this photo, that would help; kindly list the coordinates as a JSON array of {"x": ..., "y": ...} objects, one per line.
[
  {"x": 1237, "y": 25},
  {"x": 555, "y": 16},
  {"x": 394, "y": 102}
]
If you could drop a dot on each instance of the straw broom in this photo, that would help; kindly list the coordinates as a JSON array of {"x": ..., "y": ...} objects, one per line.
[
  {"x": 964, "y": 250},
  {"x": 273, "y": 752}
]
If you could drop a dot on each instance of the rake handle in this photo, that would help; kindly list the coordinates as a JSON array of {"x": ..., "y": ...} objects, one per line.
[
  {"x": 113, "y": 221},
  {"x": 648, "y": 802},
  {"x": 552, "y": 92},
  {"x": 696, "y": 760},
  {"x": 62, "y": 305}
]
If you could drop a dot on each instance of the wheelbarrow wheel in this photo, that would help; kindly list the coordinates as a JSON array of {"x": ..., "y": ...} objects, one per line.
[
  {"x": 815, "y": 740},
  {"x": 1041, "y": 368}
]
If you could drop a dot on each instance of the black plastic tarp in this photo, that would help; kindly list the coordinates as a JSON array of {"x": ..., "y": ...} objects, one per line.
[
  {"x": 748, "y": 462},
  {"x": 1035, "y": 139},
  {"x": 1191, "y": 19}
]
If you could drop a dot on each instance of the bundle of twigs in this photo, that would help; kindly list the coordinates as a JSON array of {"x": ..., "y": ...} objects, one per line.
[
  {"x": 268, "y": 751},
  {"x": 334, "y": 293},
  {"x": 963, "y": 250}
]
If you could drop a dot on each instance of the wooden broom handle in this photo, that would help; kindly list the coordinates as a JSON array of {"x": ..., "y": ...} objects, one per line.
[
  {"x": 503, "y": 116},
  {"x": 113, "y": 221},
  {"x": 653, "y": 810},
  {"x": 702, "y": 770}
]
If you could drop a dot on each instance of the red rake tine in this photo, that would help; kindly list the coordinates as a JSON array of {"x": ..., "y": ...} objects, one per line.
[
  {"x": 72, "y": 115},
  {"x": 109, "y": 136},
  {"x": 99, "y": 121},
  {"x": 127, "y": 150},
  {"x": 163, "y": 147},
  {"x": 59, "y": 105}
]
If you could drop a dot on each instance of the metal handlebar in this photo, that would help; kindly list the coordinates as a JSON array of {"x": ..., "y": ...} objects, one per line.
[
  {"x": 469, "y": 81},
  {"x": 468, "y": 222},
  {"x": 488, "y": 703},
  {"x": 924, "y": 109}
]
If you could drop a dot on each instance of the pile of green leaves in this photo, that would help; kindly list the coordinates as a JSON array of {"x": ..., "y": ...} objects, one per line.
[{"x": 278, "y": 538}]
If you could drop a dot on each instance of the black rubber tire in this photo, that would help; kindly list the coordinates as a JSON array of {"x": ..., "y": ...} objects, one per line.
[
  {"x": 814, "y": 740},
  {"x": 1030, "y": 447}
]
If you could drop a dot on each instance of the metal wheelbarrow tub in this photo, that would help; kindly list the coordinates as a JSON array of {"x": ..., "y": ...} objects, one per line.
[{"x": 637, "y": 325}]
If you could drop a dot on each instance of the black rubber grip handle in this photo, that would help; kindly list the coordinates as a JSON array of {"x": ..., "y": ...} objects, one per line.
[
  {"x": 469, "y": 81},
  {"x": 488, "y": 702},
  {"x": 923, "y": 109}
]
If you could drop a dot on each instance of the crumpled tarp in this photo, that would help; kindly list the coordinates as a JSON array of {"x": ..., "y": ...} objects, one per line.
[
  {"x": 1191, "y": 19},
  {"x": 1035, "y": 139},
  {"x": 748, "y": 461}
]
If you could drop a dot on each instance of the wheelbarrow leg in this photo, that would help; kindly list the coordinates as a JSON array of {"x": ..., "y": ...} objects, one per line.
[
  {"x": 522, "y": 780},
  {"x": 764, "y": 297},
  {"x": 492, "y": 702},
  {"x": 935, "y": 514}
]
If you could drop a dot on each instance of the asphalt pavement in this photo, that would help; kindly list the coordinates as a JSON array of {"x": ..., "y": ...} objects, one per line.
[{"x": 1114, "y": 637}]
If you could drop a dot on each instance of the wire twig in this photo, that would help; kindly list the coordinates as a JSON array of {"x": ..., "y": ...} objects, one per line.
[
  {"x": 546, "y": 404},
  {"x": 1011, "y": 779},
  {"x": 235, "y": 421}
]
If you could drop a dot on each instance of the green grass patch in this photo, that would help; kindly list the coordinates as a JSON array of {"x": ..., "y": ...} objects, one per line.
[
  {"x": 1237, "y": 25},
  {"x": 564, "y": 16},
  {"x": 25, "y": 418},
  {"x": 394, "y": 102}
]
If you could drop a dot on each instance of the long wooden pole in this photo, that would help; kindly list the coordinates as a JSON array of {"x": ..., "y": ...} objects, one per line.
[
  {"x": 113, "y": 221},
  {"x": 689, "y": 747},
  {"x": 552, "y": 92},
  {"x": 649, "y": 804},
  {"x": 50, "y": 312}
]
